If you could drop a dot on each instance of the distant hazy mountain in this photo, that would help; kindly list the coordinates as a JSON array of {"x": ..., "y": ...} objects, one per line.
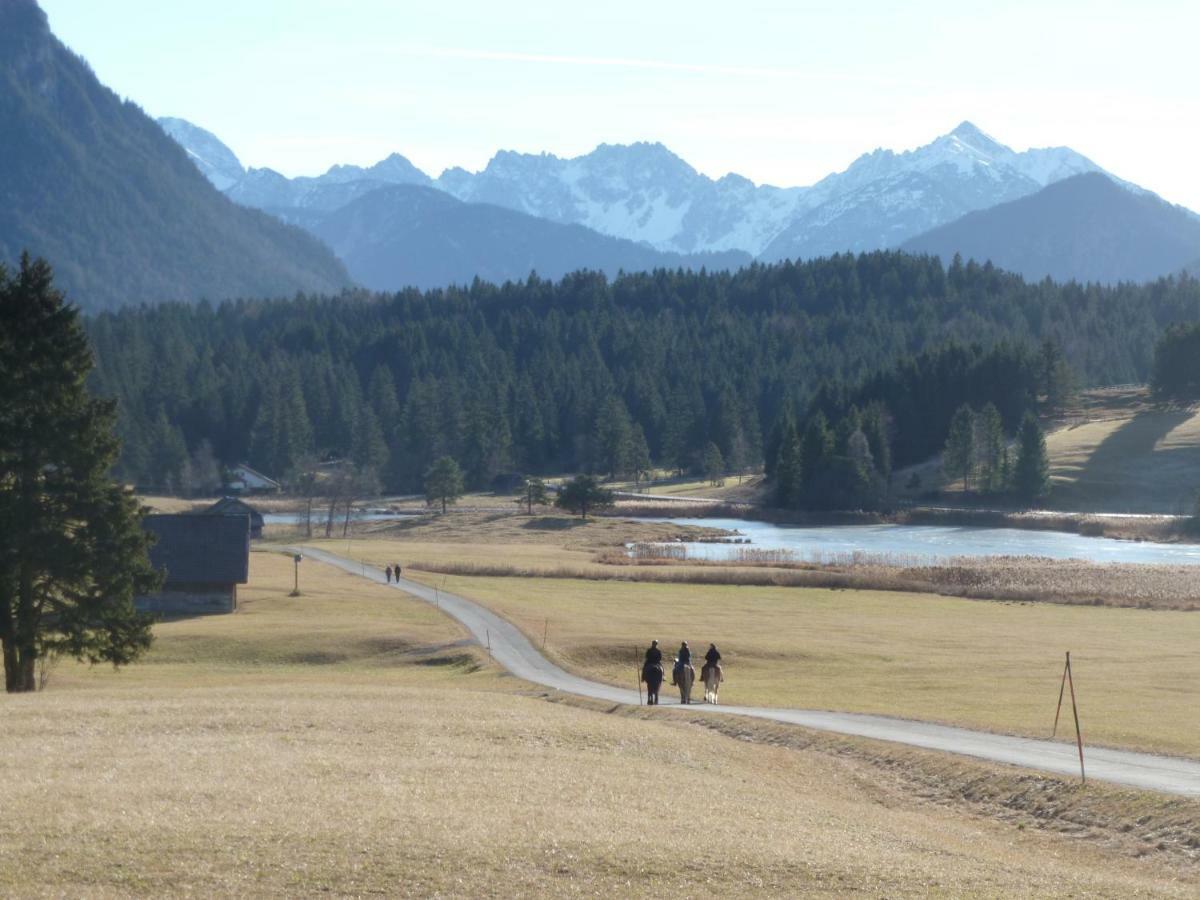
[
  {"x": 1085, "y": 228},
  {"x": 96, "y": 187},
  {"x": 884, "y": 198},
  {"x": 267, "y": 189},
  {"x": 409, "y": 235}
]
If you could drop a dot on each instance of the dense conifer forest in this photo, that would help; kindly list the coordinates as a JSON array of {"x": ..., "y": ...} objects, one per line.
[{"x": 683, "y": 370}]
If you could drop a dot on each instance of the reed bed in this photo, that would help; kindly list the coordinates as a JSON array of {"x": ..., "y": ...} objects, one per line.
[{"x": 1022, "y": 579}]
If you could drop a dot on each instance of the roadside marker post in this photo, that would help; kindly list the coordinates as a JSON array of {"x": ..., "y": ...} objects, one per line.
[
  {"x": 1068, "y": 680},
  {"x": 637, "y": 671}
]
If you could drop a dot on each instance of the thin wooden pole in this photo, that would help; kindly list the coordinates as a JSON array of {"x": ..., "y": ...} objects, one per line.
[
  {"x": 487, "y": 633},
  {"x": 1075, "y": 709},
  {"x": 1061, "y": 689},
  {"x": 545, "y": 632},
  {"x": 637, "y": 670}
]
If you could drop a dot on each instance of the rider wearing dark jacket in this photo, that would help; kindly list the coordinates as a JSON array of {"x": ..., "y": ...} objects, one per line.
[
  {"x": 685, "y": 655},
  {"x": 713, "y": 656},
  {"x": 653, "y": 655}
]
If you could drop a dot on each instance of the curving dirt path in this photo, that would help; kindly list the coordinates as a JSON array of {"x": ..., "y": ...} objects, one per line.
[{"x": 512, "y": 650}]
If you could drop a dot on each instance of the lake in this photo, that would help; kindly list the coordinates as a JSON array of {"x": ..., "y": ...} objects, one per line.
[{"x": 928, "y": 543}]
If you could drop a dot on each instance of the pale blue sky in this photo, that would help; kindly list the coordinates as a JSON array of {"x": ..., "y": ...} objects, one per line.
[{"x": 779, "y": 92}]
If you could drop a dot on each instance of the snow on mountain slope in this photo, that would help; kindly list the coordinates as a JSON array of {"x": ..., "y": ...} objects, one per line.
[
  {"x": 642, "y": 192},
  {"x": 645, "y": 193},
  {"x": 219, "y": 164},
  {"x": 884, "y": 197}
]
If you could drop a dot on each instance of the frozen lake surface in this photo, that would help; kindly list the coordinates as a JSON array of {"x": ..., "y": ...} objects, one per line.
[{"x": 929, "y": 543}]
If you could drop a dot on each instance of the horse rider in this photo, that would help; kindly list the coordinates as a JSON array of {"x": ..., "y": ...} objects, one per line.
[
  {"x": 711, "y": 658},
  {"x": 684, "y": 658},
  {"x": 653, "y": 656}
]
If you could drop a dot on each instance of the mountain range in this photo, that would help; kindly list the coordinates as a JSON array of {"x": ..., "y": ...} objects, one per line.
[
  {"x": 646, "y": 194},
  {"x": 91, "y": 183},
  {"x": 643, "y": 192}
]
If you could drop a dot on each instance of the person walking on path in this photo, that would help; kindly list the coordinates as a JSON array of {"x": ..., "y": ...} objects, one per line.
[
  {"x": 397, "y": 573},
  {"x": 388, "y": 572}
]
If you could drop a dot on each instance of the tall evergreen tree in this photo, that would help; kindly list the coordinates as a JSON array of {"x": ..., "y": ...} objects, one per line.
[
  {"x": 958, "y": 456},
  {"x": 788, "y": 468},
  {"x": 816, "y": 449},
  {"x": 72, "y": 550},
  {"x": 989, "y": 445},
  {"x": 1031, "y": 474},
  {"x": 444, "y": 482}
]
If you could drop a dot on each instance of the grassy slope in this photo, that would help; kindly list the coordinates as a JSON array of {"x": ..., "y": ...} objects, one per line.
[
  {"x": 1113, "y": 452},
  {"x": 302, "y": 746},
  {"x": 1122, "y": 455}
]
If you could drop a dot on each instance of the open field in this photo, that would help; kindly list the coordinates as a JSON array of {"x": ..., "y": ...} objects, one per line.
[
  {"x": 1119, "y": 453},
  {"x": 345, "y": 743},
  {"x": 988, "y": 665}
]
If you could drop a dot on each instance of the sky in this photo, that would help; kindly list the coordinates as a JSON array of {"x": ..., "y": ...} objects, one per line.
[{"x": 780, "y": 92}]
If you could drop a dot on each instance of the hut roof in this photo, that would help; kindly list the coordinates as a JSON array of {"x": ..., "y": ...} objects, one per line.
[{"x": 232, "y": 506}]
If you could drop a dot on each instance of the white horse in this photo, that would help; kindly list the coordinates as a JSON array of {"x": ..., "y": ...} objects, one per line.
[
  {"x": 713, "y": 676},
  {"x": 684, "y": 678}
]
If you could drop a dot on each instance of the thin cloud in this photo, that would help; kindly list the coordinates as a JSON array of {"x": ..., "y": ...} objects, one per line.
[{"x": 626, "y": 62}]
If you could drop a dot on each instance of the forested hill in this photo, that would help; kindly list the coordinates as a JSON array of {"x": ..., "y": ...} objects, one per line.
[
  {"x": 94, "y": 186},
  {"x": 542, "y": 376}
]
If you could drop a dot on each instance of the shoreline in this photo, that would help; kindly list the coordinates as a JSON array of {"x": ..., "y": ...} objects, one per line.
[{"x": 1163, "y": 529}]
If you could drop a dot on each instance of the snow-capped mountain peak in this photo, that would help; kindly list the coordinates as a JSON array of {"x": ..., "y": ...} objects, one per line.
[{"x": 645, "y": 192}]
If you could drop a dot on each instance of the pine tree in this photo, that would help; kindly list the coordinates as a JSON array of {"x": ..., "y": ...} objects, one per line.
[
  {"x": 874, "y": 426},
  {"x": 614, "y": 438},
  {"x": 712, "y": 463},
  {"x": 1031, "y": 474},
  {"x": 958, "y": 457},
  {"x": 72, "y": 550},
  {"x": 583, "y": 493},
  {"x": 989, "y": 442},
  {"x": 443, "y": 482},
  {"x": 788, "y": 468},
  {"x": 816, "y": 449},
  {"x": 639, "y": 455},
  {"x": 532, "y": 493}
]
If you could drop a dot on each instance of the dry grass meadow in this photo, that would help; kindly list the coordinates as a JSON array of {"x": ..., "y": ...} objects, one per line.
[
  {"x": 348, "y": 743},
  {"x": 987, "y": 665}
]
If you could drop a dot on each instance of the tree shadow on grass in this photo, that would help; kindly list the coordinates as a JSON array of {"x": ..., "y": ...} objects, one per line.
[{"x": 1131, "y": 447}]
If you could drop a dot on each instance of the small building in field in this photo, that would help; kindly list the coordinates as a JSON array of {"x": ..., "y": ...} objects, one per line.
[
  {"x": 232, "y": 506},
  {"x": 245, "y": 480},
  {"x": 204, "y": 559}
]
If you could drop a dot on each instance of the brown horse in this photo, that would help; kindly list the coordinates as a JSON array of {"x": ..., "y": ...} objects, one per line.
[
  {"x": 653, "y": 675},
  {"x": 713, "y": 676},
  {"x": 685, "y": 678}
]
